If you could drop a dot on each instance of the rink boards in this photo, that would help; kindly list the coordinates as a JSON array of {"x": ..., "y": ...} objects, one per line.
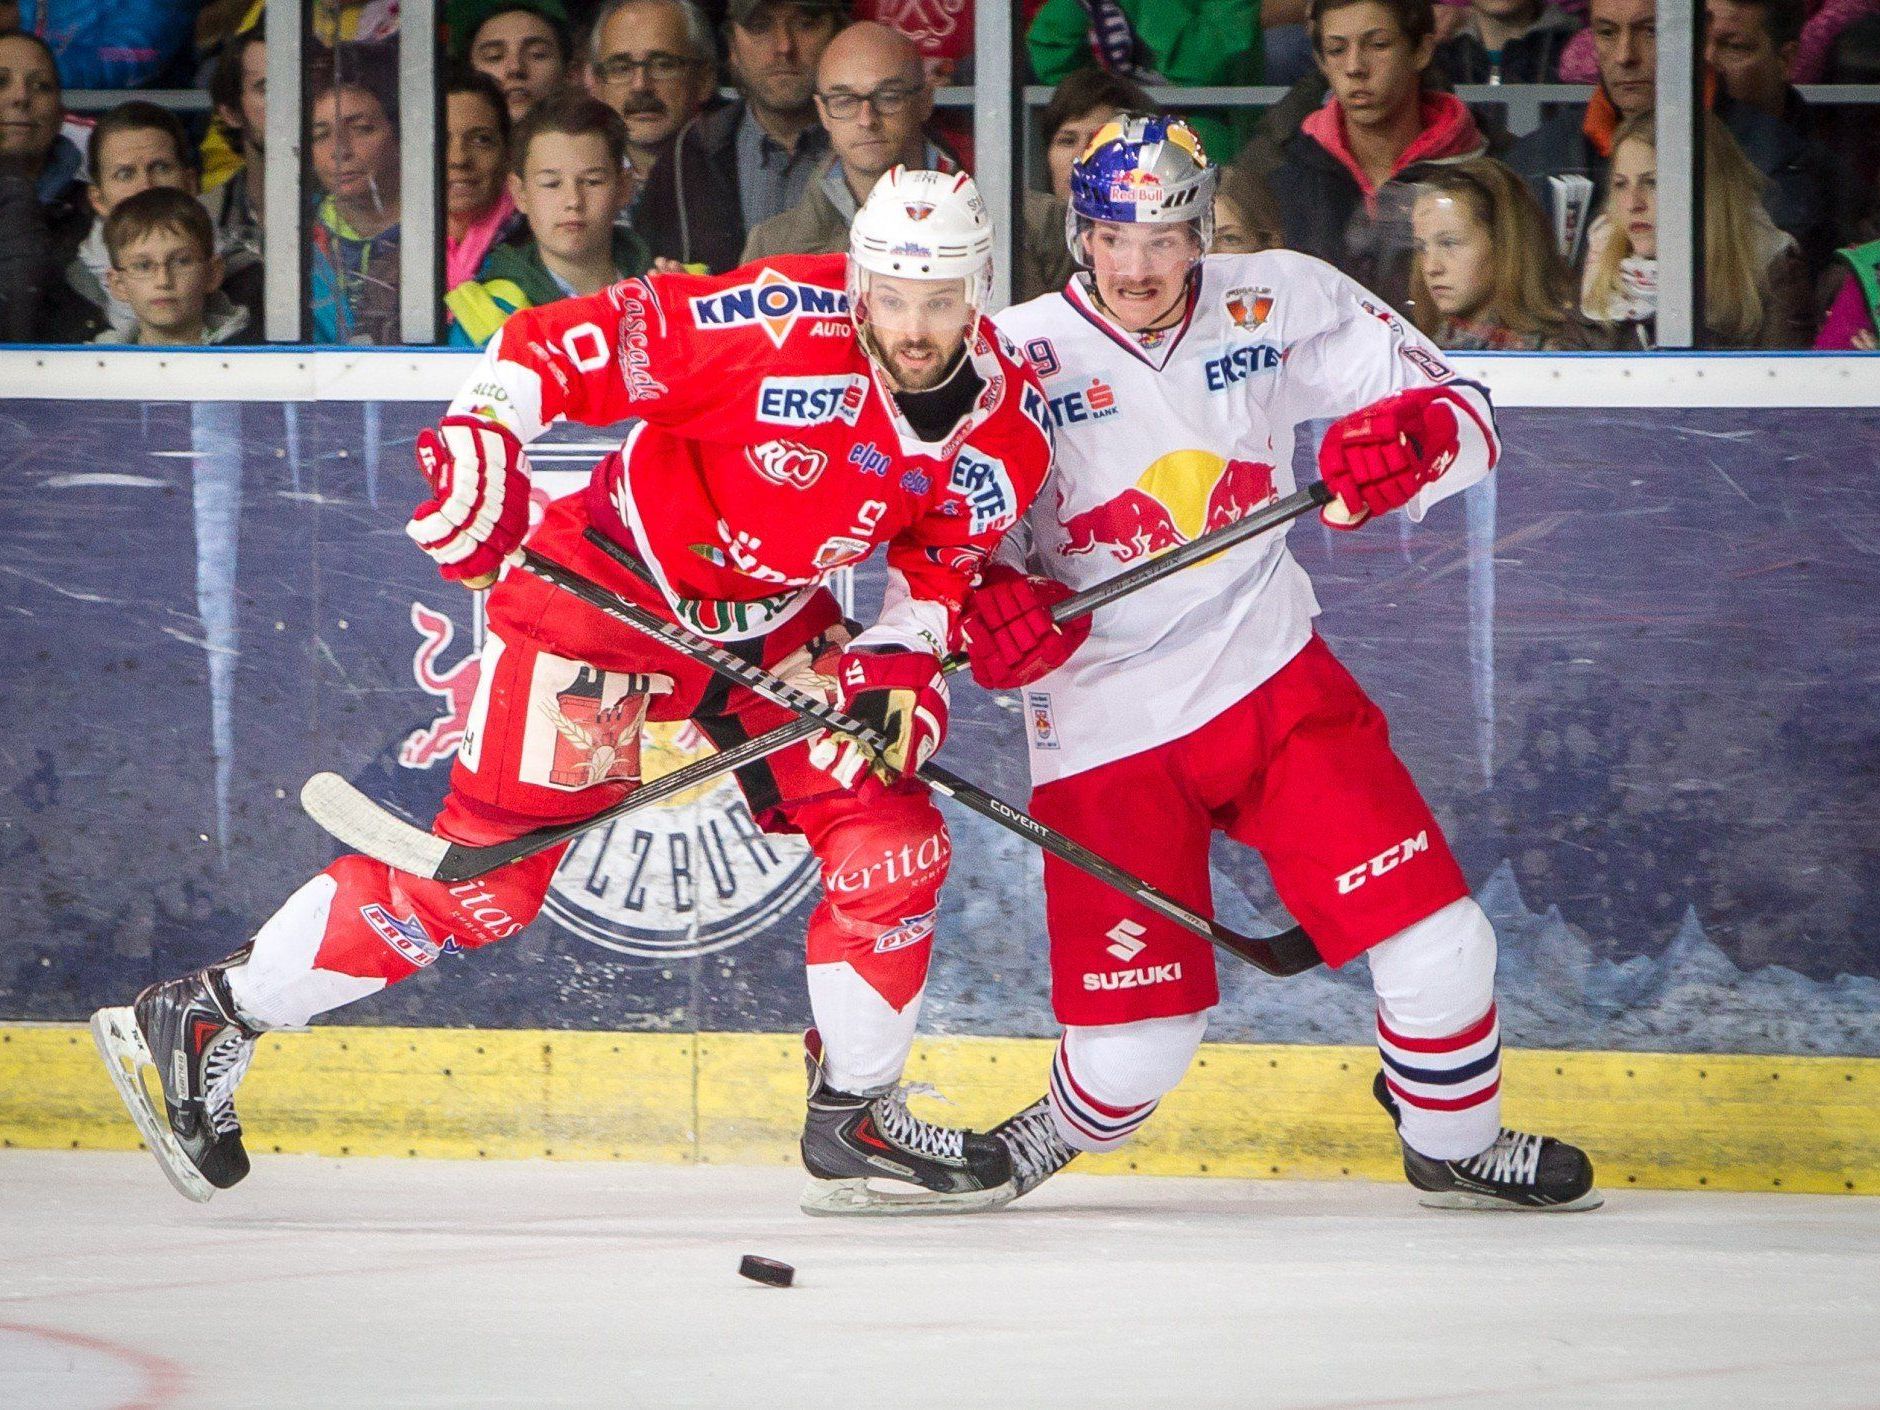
[
  {"x": 1633, "y": 672},
  {"x": 1651, "y": 1120}
]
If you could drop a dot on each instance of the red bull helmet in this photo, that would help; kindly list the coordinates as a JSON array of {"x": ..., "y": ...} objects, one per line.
[
  {"x": 1141, "y": 171},
  {"x": 921, "y": 225}
]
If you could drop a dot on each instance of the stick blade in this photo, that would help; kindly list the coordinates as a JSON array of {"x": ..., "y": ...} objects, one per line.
[
  {"x": 1288, "y": 953},
  {"x": 362, "y": 824}
]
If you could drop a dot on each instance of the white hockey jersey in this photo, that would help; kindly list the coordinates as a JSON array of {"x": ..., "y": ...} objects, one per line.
[{"x": 1157, "y": 445}]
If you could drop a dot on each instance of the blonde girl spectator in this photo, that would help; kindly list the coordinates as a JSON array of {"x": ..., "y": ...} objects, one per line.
[
  {"x": 1245, "y": 220},
  {"x": 1755, "y": 288},
  {"x": 1484, "y": 274}
]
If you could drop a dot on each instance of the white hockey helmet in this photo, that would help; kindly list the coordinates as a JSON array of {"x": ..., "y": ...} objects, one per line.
[
  {"x": 921, "y": 225},
  {"x": 1141, "y": 171}
]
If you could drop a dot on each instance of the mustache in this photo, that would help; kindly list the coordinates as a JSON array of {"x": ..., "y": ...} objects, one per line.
[{"x": 643, "y": 104}]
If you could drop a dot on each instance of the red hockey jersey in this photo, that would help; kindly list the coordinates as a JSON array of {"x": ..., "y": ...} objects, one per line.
[{"x": 769, "y": 452}]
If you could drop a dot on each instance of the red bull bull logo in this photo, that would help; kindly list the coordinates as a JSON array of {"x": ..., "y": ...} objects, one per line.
[
  {"x": 455, "y": 685},
  {"x": 1183, "y": 495}
]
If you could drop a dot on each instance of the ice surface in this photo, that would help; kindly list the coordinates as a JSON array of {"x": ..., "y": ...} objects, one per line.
[{"x": 444, "y": 1285}]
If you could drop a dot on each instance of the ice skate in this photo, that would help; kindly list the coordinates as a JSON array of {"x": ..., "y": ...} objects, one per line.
[
  {"x": 1520, "y": 1171},
  {"x": 188, "y": 1031},
  {"x": 1037, "y": 1150},
  {"x": 855, "y": 1144}
]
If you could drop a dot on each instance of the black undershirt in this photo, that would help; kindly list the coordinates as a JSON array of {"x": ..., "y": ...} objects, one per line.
[{"x": 935, "y": 413}]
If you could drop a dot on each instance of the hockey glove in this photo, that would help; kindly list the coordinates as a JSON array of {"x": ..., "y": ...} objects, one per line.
[
  {"x": 1010, "y": 637},
  {"x": 903, "y": 695},
  {"x": 478, "y": 513},
  {"x": 1377, "y": 457}
]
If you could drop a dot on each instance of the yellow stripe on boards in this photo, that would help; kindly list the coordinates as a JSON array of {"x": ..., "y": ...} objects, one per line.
[{"x": 1652, "y": 1120}]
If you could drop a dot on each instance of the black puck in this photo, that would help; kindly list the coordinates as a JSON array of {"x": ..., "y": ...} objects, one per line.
[{"x": 766, "y": 1270}]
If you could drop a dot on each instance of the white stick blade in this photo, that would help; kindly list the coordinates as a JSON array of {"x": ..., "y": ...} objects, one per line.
[{"x": 362, "y": 824}]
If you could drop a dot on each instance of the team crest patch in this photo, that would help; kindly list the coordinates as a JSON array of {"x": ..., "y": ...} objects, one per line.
[
  {"x": 772, "y": 301},
  {"x": 1249, "y": 307},
  {"x": 1039, "y": 721}
]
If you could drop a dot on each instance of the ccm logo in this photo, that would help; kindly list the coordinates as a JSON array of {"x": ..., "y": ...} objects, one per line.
[{"x": 1387, "y": 860}]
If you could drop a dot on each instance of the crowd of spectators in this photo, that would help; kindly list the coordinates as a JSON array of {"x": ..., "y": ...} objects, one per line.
[{"x": 589, "y": 140}]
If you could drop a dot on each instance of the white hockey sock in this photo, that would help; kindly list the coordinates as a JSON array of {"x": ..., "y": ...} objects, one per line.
[
  {"x": 1107, "y": 1080},
  {"x": 865, "y": 1038},
  {"x": 278, "y": 986},
  {"x": 1438, "y": 1033}
]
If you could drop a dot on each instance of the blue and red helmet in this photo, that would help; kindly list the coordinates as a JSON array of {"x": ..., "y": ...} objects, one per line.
[{"x": 1141, "y": 171}]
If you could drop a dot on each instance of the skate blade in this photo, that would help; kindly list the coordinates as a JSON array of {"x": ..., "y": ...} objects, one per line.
[
  {"x": 1485, "y": 1204},
  {"x": 121, "y": 1045},
  {"x": 857, "y": 1197}
]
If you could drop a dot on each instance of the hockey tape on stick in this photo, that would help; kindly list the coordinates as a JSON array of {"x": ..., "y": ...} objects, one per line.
[{"x": 1288, "y": 953}]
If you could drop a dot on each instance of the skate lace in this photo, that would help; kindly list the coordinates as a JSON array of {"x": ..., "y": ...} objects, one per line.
[
  {"x": 222, "y": 1068},
  {"x": 1514, "y": 1159},
  {"x": 1037, "y": 1148},
  {"x": 910, "y": 1132}
]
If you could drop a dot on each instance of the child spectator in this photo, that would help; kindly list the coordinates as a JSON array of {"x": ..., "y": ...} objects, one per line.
[
  {"x": 523, "y": 45},
  {"x": 478, "y": 209},
  {"x": 1345, "y": 179},
  {"x": 1486, "y": 274},
  {"x": 43, "y": 211},
  {"x": 1755, "y": 289},
  {"x": 354, "y": 233},
  {"x": 1506, "y": 41},
  {"x": 566, "y": 177},
  {"x": 164, "y": 266},
  {"x": 238, "y": 93},
  {"x": 135, "y": 146}
]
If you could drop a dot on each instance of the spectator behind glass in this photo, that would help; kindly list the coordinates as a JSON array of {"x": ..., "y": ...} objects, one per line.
[
  {"x": 1345, "y": 179},
  {"x": 238, "y": 94},
  {"x": 1506, "y": 41},
  {"x": 477, "y": 206},
  {"x": 1578, "y": 144},
  {"x": 1245, "y": 220},
  {"x": 1853, "y": 321},
  {"x": 735, "y": 166},
  {"x": 354, "y": 234},
  {"x": 1188, "y": 43},
  {"x": 1486, "y": 274},
  {"x": 135, "y": 146},
  {"x": 43, "y": 211},
  {"x": 164, "y": 265},
  {"x": 568, "y": 178},
  {"x": 873, "y": 98},
  {"x": 1080, "y": 106},
  {"x": 523, "y": 45},
  {"x": 654, "y": 63},
  {"x": 1755, "y": 291}
]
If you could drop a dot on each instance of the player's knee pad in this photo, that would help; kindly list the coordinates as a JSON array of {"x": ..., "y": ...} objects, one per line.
[
  {"x": 1438, "y": 1034},
  {"x": 1107, "y": 1079}
]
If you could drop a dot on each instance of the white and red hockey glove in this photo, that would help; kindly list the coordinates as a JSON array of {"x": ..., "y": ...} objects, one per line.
[
  {"x": 478, "y": 513},
  {"x": 1010, "y": 637},
  {"x": 1377, "y": 457},
  {"x": 903, "y": 695}
]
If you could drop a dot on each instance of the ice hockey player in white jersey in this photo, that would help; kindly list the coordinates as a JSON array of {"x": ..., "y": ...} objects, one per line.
[{"x": 1207, "y": 701}]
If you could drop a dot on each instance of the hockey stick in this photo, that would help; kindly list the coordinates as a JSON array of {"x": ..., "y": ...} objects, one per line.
[
  {"x": 1288, "y": 953},
  {"x": 358, "y": 821}
]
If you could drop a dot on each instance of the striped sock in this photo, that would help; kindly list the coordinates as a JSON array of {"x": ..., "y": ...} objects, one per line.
[
  {"x": 1085, "y": 1122},
  {"x": 1448, "y": 1088}
]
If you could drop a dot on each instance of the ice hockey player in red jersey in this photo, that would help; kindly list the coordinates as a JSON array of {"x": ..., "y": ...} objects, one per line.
[
  {"x": 1207, "y": 702},
  {"x": 794, "y": 414}
]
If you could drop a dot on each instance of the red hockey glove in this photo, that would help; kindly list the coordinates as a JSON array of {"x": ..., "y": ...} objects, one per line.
[
  {"x": 1377, "y": 457},
  {"x": 904, "y": 696},
  {"x": 479, "y": 510},
  {"x": 1010, "y": 637}
]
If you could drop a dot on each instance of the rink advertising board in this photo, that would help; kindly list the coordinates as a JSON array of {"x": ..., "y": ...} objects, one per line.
[{"x": 1632, "y": 672}]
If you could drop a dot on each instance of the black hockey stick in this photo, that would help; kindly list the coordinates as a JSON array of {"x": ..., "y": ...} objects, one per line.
[
  {"x": 1290, "y": 952},
  {"x": 358, "y": 821}
]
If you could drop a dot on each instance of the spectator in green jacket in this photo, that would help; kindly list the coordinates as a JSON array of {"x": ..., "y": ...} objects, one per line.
[
  {"x": 1187, "y": 43},
  {"x": 567, "y": 179}
]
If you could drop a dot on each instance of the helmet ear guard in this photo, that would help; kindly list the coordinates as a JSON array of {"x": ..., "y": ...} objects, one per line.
[{"x": 1141, "y": 171}]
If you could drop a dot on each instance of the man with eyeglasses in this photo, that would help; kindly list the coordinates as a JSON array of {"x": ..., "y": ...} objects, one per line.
[
  {"x": 653, "y": 62},
  {"x": 874, "y": 101},
  {"x": 734, "y": 167}
]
